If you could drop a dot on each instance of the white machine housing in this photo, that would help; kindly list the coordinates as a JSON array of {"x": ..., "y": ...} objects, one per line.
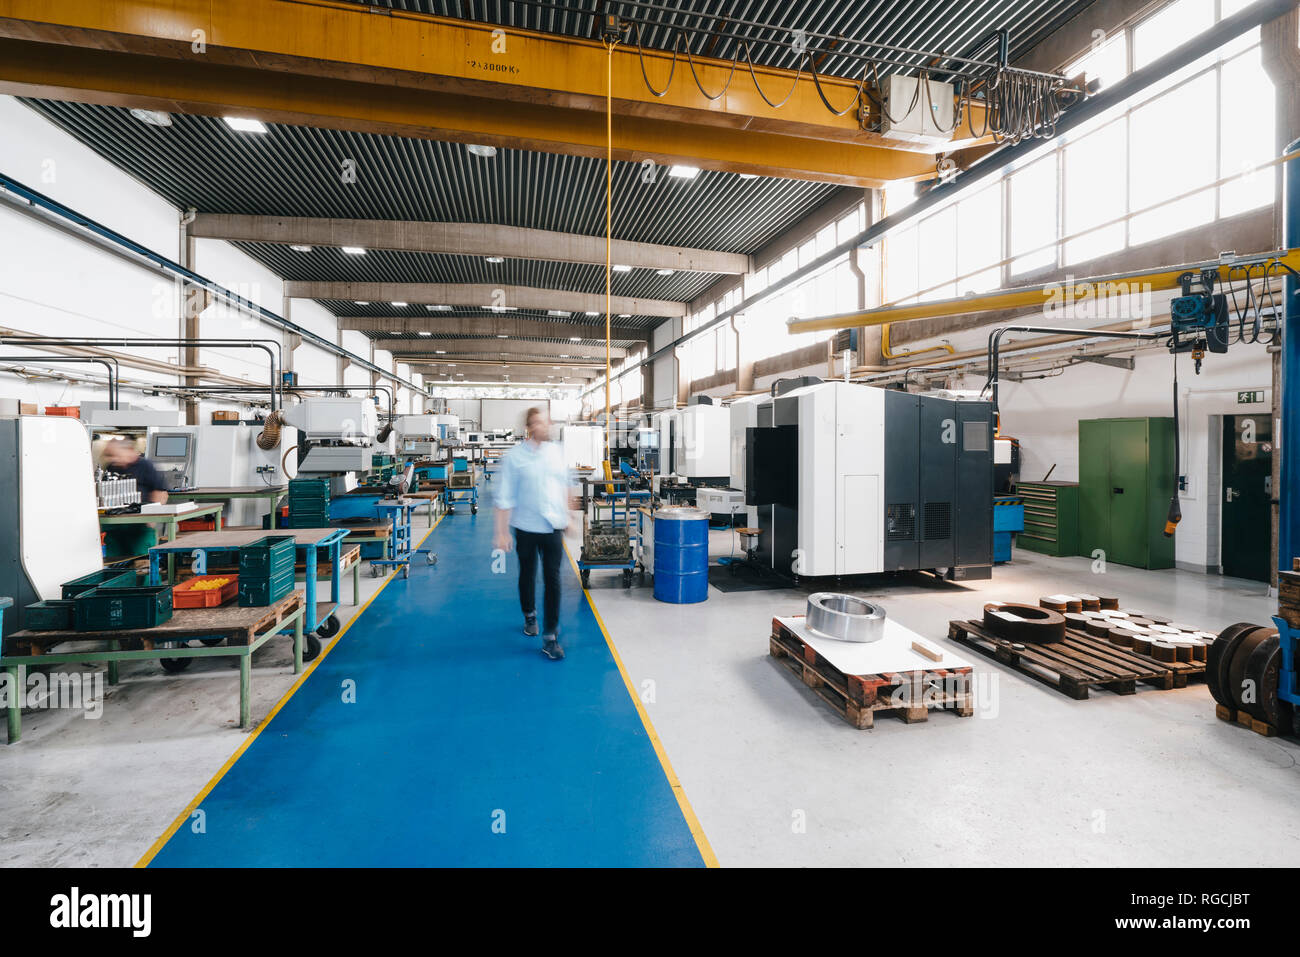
[
  {"x": 930, "y": 119},
  {"x": 347, "y": 424},
  {"x": 223, "y": 456},
  {"x": 694, "y": 443},
  {"x": 849, "y": 480},
  {"x": 583, "y": 444},
  {"x": 49, "y": 526}
]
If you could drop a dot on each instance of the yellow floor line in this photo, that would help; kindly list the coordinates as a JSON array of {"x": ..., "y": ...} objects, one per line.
[
  {"x": 688, "y": 812},
  {"x": 230, "y": 762}
]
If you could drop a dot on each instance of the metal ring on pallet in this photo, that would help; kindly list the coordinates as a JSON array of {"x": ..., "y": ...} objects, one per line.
[
  {"x": 845, "y": 618},
  {"x": 1030, "y": 624}
]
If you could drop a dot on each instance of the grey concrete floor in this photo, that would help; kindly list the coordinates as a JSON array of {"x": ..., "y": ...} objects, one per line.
[
  {"x": 98, "y": 791},
  {"x": 1034, "y": 778}
]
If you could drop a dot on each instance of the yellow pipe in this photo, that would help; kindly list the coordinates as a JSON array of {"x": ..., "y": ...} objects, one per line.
[
  {"x": 884, "y": 346},
  {"x": 1038, "y": 296}
]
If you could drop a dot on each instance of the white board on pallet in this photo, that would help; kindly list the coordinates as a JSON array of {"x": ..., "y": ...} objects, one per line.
[{"x": 893, "y": 652}]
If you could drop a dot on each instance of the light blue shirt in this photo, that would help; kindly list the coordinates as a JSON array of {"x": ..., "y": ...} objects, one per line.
[{"x": 532, "y": 483}]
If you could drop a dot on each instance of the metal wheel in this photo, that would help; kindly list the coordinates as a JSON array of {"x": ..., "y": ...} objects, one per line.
[
  {"x": 329, "y": 627},
  {"x": 174, "y": 666},
  {"x": 212, "y": 642},
  {"x": 473, "y": 509},
  {"x": 406, "y": 570},
  {"x": 374, "y": 570},
  {"x": 310, "y": 647},
  {"x": 586, "y": 579},
  {"x": 432, "y": 558}
]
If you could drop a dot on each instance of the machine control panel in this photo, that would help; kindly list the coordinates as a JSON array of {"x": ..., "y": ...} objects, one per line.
[{"x": 172, "y": 453}]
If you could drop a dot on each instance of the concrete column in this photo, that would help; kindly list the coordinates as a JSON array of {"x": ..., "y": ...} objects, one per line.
[
  {"x": 191, "y": 305},
  {"x": 744, "y": 358}
]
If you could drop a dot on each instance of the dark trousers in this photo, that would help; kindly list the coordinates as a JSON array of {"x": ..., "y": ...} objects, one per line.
[{"x": 550, "y": 545}]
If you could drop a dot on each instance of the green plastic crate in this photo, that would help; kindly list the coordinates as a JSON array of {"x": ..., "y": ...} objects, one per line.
[
  {"x": 110, "y": 609},
  {"x": 264, "y": 591},
  {"x": 267, "y": 557},
  {"x": 53, "y": 615},
  {"x": 104, "y": 578}
]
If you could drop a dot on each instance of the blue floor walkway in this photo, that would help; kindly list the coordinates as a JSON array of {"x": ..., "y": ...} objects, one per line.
[{"x": 461, "y": 729}]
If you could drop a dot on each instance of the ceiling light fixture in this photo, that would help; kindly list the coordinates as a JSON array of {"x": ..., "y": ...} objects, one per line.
[
  {"x": 486, "y": 152},
  {"x": 152, "y": 117},
  {"x": 502, "y": 335},
  {"x": 618, "y": 268},
  {"x": 684, "y": 172},
  {"x": 244, "y": 124},
  {"x": 442, "y": 352},
  {"x": 575, "y": 338},
  {"x": 399, "y": 305},
  {"x": 496, "y": 259},
  {"x": 438, "y": 308},
  {"x": 299, "y": 248},
  {"x": 354, "y": 250},
  {"x": 749, "y": 176},
  {"x": 590, "y": 313},
  {"x": 425, "y": 332},
  {"x": 360, "y": 303},
  {"x": 664, "y": 272},
  {"x": 558, "y": 312}
]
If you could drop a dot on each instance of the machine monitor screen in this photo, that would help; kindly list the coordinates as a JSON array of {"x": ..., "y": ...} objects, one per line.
[{"x": 171, "y": 446}]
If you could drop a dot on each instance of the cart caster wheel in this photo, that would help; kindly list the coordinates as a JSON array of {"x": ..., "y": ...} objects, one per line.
[
  {"x": 586, "y": 579},
  {"x": 374, "y": 570},
  {"x": 174, "y": 666},
  {"x": 310, "y": 647},
  {"x": 473, "y": 509},
  {"x": 432, "y": 558},
  {"x": 210, "y": 642},
  {"x": 329, "y": 627},
  {"x": 627, "y": 579},
  {"x": 451, "y": 511},
  {"x": 406, "y": 571}
]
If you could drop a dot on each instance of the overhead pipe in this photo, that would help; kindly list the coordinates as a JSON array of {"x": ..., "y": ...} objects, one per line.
[
  {"x": 995, "y": 342},
  {"x": 381, "y": 435},
  {"x": 114, "y": 371}
]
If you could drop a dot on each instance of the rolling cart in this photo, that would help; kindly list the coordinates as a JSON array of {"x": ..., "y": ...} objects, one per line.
[
  {"x": 397, "y": 512},
  {"x": 609, "y": 541},
  {"x": 451, "y": 496}
]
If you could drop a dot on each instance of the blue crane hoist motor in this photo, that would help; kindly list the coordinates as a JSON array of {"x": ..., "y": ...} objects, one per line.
[{"x": 1198, "y": 319}]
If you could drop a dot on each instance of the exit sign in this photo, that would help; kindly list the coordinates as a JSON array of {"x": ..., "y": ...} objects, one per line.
[{"x": 1249, "y": 398}]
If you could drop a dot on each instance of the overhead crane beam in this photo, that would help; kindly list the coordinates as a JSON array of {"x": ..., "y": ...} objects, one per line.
[
  {"x": 409, "y": 350},
  {"x": 340, "y": 66},
  {"x": 462, "y": 239},
  {"x": 481, "y": 294},
  {"x": 495, "y": 325}
]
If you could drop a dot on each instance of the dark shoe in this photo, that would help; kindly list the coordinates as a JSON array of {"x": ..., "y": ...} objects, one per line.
[
  {"x": 530, "y": 626},
  {"x": 551, "y": 649}
]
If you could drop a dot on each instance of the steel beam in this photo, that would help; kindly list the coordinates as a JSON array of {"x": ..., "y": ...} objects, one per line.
[
  {"x": 463, "y": 239},
  {"x": 405, "y": 350},
  {"x": 484, "y": 295},
  {"x": 491, "y": 324},
  {"x": 339, "y": 66}
]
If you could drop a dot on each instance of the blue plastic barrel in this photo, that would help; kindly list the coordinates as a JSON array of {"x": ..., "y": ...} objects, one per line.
[{"x": 681, "y": 555}]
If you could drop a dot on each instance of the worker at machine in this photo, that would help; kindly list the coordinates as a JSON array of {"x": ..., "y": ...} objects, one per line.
[
  {"x": 124, "y": 458},
  {"x": 532, "y": 503}
]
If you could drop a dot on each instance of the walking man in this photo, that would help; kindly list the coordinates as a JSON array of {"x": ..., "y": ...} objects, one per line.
[{"x": 532, "y": 503}]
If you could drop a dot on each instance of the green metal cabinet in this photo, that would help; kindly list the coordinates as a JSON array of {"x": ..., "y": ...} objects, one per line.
[
  {"x": 1126, "y": 478},
  {"x": 1051, "y": 517}
]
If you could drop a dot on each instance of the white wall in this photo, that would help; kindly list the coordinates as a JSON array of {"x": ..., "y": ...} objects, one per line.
[
  {"x": 52, "y": 283},
  {"x": 1044, "y": 415},
  {"x": 664, "y": 371}
]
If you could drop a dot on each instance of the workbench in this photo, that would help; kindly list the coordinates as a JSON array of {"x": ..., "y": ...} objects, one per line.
[
  {"x": 273, "y": 494},
  {"x": 243, "y": 630},
  {"x": 433, "y": 497},
  {"x": 170, "y": 521},
  {"x": 309, "y": 541}
]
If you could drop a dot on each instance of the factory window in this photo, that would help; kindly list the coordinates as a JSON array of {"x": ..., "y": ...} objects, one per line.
[
  {"x": 1033, "y": 215},
  {"x": 1157, "y": 177},
  {"x": 979, "y": 241},
  {"x": 1246, "y": 133},
  {"x": 1096, "y": 192}
]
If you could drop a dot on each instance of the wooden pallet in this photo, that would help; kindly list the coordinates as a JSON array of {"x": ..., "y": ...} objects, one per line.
[
  {"x": 1245, "y": 720},
  {"x": 909, "y": 695},
  {"x": 1078, "y": 663},
  {"x": 237, "y": 625}
]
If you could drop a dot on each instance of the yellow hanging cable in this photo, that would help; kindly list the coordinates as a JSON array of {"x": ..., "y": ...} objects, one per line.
[{"x": 609, "y": 221}]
